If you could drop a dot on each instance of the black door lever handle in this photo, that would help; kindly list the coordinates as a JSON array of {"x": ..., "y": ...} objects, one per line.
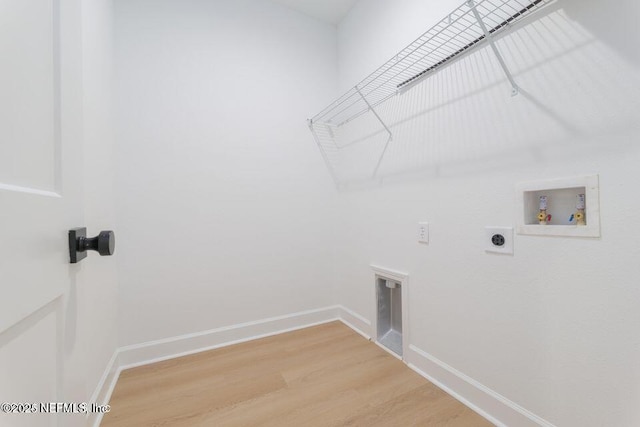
[{"x": 104, "y": 243}]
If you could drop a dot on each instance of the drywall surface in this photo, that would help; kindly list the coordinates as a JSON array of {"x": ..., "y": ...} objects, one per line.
[
  {"x": 553, "y": 328},
  {"x": 223, "y": 199}
]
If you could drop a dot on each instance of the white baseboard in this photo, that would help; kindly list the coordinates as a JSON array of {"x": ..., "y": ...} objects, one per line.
[
  {"x": 491, "y": 405},
  {"x": 156, "y": 351},
  {"x": 486, "y": 402},
  {"x": 355, "y": 321}
]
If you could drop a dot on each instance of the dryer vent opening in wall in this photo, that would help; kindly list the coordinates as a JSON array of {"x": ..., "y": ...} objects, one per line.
[{"x": 389, "y": 314}]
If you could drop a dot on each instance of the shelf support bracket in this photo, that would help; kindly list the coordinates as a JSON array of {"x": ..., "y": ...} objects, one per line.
[
  {"x": 489, "y": 37},
  {"x": 389, "y": 139},
  {"x": 374, "y": 112},
  {"x": 323, "y": 153}
]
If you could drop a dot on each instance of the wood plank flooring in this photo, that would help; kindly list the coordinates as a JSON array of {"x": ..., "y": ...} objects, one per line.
[{"x": 326, "y": 375}]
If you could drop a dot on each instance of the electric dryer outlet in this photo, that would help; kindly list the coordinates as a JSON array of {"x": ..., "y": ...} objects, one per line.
[{"x": 499, "y": 240}]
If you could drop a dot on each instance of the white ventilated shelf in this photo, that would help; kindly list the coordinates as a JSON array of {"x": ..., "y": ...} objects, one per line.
[{"x": 472, "y": 24}]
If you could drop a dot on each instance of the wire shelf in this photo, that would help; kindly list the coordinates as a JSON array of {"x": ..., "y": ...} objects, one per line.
[{"x": 472, "y": 24}]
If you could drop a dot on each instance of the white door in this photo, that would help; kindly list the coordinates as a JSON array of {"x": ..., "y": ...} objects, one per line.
[{"x": 40, "y": 195}]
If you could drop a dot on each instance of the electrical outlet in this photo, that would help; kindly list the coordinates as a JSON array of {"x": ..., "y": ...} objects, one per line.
[
  {"x": 423, "y": 232},
  {"x": 499, "y": 240}
]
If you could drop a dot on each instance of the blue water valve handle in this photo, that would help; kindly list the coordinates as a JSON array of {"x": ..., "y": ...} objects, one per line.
[{"x": 571, "y": 219}]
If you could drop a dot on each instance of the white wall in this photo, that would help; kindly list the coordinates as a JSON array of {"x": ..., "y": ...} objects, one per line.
[
  {"x": 553, "y": 328},
  {"x": 223, "y": 200}
]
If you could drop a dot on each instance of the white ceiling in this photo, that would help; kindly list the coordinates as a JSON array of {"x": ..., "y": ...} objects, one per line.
[{"x": 330, "y": 11}]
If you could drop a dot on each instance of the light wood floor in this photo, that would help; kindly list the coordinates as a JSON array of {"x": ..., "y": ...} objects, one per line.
[{"x": 326, "y": 375}]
